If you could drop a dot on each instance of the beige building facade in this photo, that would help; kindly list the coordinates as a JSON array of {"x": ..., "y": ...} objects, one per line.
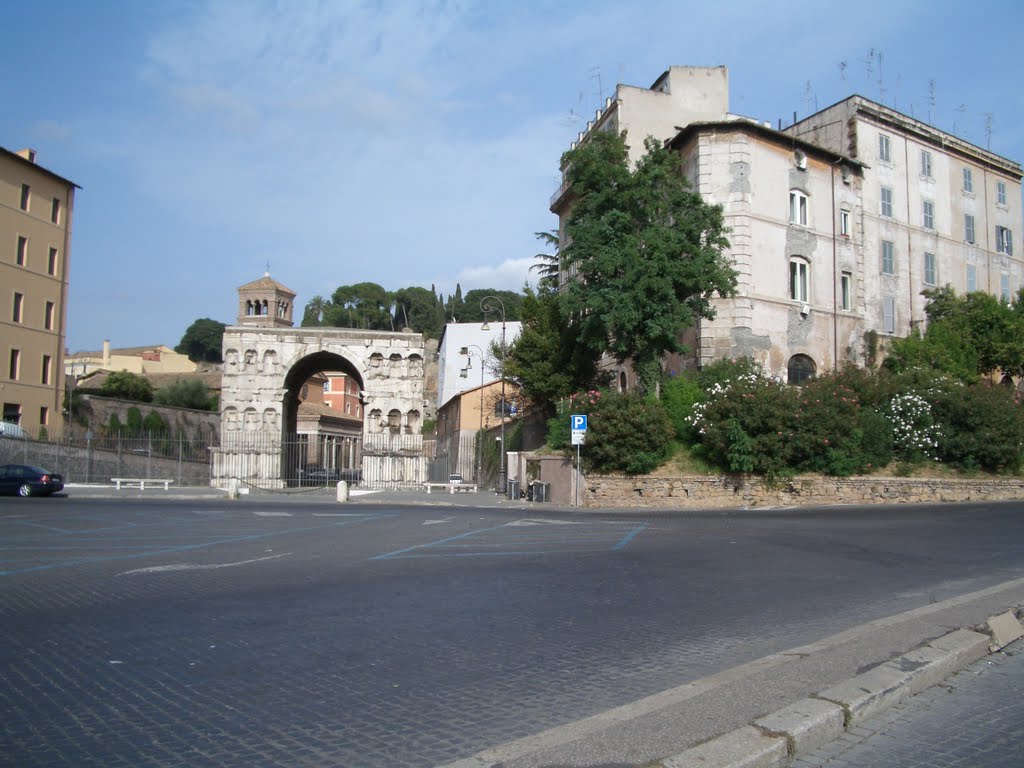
[
  {"x": 158, "y": 358},
  {"x": 837, "y": 223},
  {"x": 36, "y": 207}
]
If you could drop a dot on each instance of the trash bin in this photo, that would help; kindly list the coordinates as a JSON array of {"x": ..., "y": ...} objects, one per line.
[
  {"x": 541, "y": 491},
  {"x": 512, "y": 487}
]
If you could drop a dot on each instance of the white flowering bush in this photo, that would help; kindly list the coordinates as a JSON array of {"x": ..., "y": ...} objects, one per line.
[{"x": 915, "y": 433}]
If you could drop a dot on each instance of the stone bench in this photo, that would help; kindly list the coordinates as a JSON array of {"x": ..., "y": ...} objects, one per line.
[
  {"x": 140, "y": 482},
  {"x": 452, "y": 487}
]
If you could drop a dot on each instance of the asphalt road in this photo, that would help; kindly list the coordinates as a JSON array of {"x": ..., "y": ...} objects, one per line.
[{"x": 148, "y": 633}]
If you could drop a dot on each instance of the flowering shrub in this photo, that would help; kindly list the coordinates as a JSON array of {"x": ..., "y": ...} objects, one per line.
[
  {"x": 679, "y": 395},
  {"x": 746, "y": 424},
  {"x": 915, "y": 433}
]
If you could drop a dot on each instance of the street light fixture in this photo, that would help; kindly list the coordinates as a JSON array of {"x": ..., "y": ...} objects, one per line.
[
  {"x": 489, "y": 304},
  {"x": 464, "y": 373}
]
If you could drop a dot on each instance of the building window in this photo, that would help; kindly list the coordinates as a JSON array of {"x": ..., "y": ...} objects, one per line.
[
  {"x": 800, "y": 370},
  {"x": 15, "y": 365},
  {"x": 22, "y": 255},
  {"x": 19, "y": 302},
  {"x": 968, "y": 228},
  {"x": 1004, "y": 241},
  {"x": 48, "y": 315},
  {"x": 12, "y": 413},
  {"x": 883, "y": 148},
  {"x": 889, "y": 314},
  {"x": 1001, "y": 192},
  {"x": 888, "y": 258},
  {"x": 887, "y": 201},
  {"x": 1004, "y": 287},
  {"x": 51, "y": 263},
  {"x": 926, "y": 163},
  {"x": 928, "y": 214},
  {"x": 968, "y": 180},
  {"x": 929, "y": 269},
  {"x": 797, "y": 207},
  {"x": 46, "y": 369},
  {"x": 972, "y": 278},
  {"x": 798, "y": 280},
  {"x": 44, "y": 416},
  {"x": 844, "y": 223},
  {"x": 26, "y": 196},
  {"x": 846, "y": 290},
  {"x": 55, "y": 211}
]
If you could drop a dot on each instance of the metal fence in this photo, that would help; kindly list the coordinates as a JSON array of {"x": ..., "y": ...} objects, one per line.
[
  {"x": 89, "y": 459},
  {"x": 384, "y": 461}
]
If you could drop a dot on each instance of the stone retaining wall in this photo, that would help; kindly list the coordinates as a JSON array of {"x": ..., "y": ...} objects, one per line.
[{"x": 737, "y": 491}]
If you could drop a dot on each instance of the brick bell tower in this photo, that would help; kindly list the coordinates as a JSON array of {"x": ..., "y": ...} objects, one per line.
[{"x": 265, "y": 303}]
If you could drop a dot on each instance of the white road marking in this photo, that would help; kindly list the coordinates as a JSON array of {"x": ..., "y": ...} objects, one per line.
[
  {"x": 199, "y": 566},
  {"x": 437, "y": 522},
  {"x": 273, "y": 514}
]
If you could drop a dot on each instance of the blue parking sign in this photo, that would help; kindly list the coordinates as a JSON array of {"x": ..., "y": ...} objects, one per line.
[{"x": 578, "y": 422}]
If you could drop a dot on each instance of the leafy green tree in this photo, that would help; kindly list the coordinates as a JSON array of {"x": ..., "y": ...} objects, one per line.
[
  {"x": 363, "y": 305},
  {"x": 647, "y": 251},
  {"x": 416, "y": 308},
  {"x": 202, "y": 341},
  {"x": 545, "y": 360},
  {"x": 472, "y": 311},
  {"x": 186, "y": 393},
  {"x": 127, "y": 386},
  {"x": 133, "y": 418},
  {"x": 548, "y": 264},
  {"x": 627, "y": 434},
  {"x": 316, "y": 311}
]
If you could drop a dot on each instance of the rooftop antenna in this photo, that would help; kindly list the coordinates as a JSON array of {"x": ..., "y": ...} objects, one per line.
[
  {"x": 870, "y": 62},
  {"x": 842, "y": 71},
  {"x": 931, "y": 98},
  {"x": 962, "y": 109},
  {"x": 988, "y": 130},
  {"x": 881, "y": 81},
  {"x": 596, "y": 74},
  {"x": 267, "y": 273},
  {"x": 810, "y": 97}
]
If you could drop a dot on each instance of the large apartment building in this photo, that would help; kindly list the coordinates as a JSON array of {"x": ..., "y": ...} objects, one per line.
[
  {"x": 837, "y": 223},
  {"x": 36, "y": 208}
]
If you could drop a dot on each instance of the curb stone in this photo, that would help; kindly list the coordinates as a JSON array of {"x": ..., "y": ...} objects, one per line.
[{"x": 800, "y": 728}]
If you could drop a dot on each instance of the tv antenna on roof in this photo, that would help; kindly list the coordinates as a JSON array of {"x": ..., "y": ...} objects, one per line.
[
  {"x": 962, "y": 109},
  {"x": 988, "y": 130},
  {"x": 596, "y": 74},
  {"x": 842, "y": 71},
  {"x": 931, "y": 98}
]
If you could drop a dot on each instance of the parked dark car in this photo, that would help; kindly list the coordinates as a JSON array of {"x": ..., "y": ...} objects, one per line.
[{"x": 26, "y": 480}]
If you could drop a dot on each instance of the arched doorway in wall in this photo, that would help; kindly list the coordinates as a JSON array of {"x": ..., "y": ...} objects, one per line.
[
  {"x": 800, "y": 370},
  {"x": 322, "y": 425}
]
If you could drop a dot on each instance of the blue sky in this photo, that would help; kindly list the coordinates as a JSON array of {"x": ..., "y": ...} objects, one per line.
[{"x": 409, "y": 143}]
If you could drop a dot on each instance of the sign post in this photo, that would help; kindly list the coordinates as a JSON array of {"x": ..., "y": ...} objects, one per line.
[{"x": 578, "y": 427}]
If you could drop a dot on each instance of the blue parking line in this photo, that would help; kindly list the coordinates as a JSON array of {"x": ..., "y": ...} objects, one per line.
[{"x": 629, "y": 536}]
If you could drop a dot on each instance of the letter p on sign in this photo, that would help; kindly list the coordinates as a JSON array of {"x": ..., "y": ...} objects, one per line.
[{"x": 578, "y": 422}]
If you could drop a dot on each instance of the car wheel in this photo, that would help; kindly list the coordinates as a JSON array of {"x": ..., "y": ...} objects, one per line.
[{"x": 24, "y": 489}]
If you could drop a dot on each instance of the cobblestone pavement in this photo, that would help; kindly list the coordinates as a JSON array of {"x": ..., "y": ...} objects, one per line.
[
  {"x": 214, "y": 633},
  {"x": 975, "y": 719}
]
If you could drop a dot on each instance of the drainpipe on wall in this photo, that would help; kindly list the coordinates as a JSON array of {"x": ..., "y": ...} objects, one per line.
[{"x": 835, "y": 274}]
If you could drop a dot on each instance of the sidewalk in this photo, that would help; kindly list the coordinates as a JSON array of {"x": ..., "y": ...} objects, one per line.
[{"x": 974, "y": 718}]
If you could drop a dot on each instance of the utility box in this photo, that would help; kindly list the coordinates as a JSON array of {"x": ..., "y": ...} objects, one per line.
[{"x": 541, "y": 491}]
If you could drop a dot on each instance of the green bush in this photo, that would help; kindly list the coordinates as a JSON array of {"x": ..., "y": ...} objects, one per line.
[
  {"x": 127, "y": 386},
  {"x": 187, "y": 393},
  {"x": 559, "y": 432},
  {"x": 679, "y": 395},
  {"x": 723, "y": 372},
  {"x": 982, "y": 427},
  {"x": 627, "y": 434}
]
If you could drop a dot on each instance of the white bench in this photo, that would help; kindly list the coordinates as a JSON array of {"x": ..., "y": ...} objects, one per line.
[
  {"x": 452, "y": 487},
  {"x": 140, "y": 482}
]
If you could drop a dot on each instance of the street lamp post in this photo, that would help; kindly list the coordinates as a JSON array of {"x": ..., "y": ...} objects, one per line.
[
  {"x": 489, "y": 304},
  {"x": 480, "y": 433}
]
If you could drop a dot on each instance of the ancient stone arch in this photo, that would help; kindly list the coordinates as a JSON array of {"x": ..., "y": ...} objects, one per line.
[{"x": 263, "y": 372}]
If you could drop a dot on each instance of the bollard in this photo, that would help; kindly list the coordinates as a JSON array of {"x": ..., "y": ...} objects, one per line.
[
  {"x": 233, "y": 491},
  {"x": 342, "y": 491}
]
